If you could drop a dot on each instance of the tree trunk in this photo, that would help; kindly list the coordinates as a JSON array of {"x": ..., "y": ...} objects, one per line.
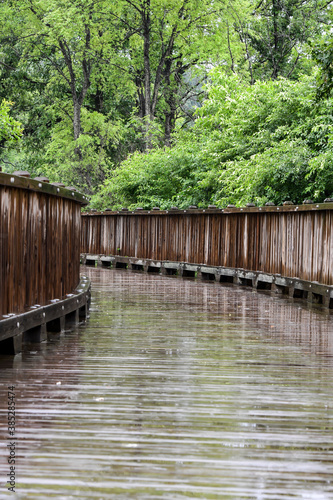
[
  {"x": 170, "y": 98},
  {"x": 276, "y": 41},
  {"x": 77, "y": 125},
  {"x": 169, "y": 126},
  {"x": 77, "y": 118},
  {"x": 147, "y": 72}
]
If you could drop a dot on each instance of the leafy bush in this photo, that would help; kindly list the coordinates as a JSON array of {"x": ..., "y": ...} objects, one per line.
[{"x": 271, "y": 141}]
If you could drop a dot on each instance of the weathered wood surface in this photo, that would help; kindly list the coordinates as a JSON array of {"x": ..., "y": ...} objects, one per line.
[
  {"x": 40, "y": 228},
  {"x": 40, "y": 323},
  {"x": 293, "y": 241}
]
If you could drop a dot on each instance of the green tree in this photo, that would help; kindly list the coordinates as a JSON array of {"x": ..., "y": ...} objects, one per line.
[
  {"x": 58, "y": 49},
  {"x": 163, "y": 49},
  {"x": 95, "y": 80},
  {"x": 10, "y": 129},
  {"x": 271, "y": 141},
  {"x": 322, "y": 52},
  {"x": 275, "y": 36}
]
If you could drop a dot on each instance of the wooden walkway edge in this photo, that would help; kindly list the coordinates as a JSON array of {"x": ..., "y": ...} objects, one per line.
[
  {"x": 294, "y": 288},
  {"x": 42, "y": 323}
]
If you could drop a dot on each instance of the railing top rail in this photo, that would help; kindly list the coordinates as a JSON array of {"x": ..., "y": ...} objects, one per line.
[
  {"x": 304, "y": 207},
  {"x": 40, "y": 186}
]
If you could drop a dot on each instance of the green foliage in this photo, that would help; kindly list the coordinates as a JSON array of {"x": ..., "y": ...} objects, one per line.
[
  {"x": 94, "y": 83},
  {"x": 275, "y": 142},
  {"x": 267, "y": 142},
  {"x": 10, "y": 129},
  {"x": 162, "y": 177},
  {"x": 323, "y": 54},
  {"x": 277, "y": 35},
  {"x": 53, "y": 60},
  {"x": 99, "y": 135}
]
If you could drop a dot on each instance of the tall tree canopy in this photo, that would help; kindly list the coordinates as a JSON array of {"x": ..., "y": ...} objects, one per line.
[
  {"x": 275, "y": 35},
  {"x": 163, "y": 50},
  {"x": 58, "y": 48},
  {"x": 94, "y": 82},
  {"x": 98, "y": 69}
]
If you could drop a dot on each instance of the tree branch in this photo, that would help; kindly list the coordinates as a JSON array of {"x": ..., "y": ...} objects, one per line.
[{"x": 134, "y": 6}]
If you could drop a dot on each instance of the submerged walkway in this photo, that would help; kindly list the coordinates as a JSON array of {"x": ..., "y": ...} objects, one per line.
[{"x": 176, "y": 389}]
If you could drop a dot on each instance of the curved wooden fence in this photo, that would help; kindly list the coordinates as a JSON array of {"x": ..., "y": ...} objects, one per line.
[
  {"x": 40, "y": 226},
  {"x": 289, "y": 241}
]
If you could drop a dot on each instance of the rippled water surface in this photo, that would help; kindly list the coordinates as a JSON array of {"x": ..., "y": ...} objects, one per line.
[{"x": 175, "y": 389}]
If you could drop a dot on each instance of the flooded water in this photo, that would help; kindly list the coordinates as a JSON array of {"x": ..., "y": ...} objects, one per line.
[{"x": 174, "y": 389}]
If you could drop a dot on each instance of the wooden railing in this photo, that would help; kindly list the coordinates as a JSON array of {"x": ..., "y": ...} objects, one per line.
[
  {"x": 291, "y": 241},
  {"x": 40, "y": 227}
]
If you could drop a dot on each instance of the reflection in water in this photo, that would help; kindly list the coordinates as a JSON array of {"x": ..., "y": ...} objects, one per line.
[{"x": 176, "y": 389}]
